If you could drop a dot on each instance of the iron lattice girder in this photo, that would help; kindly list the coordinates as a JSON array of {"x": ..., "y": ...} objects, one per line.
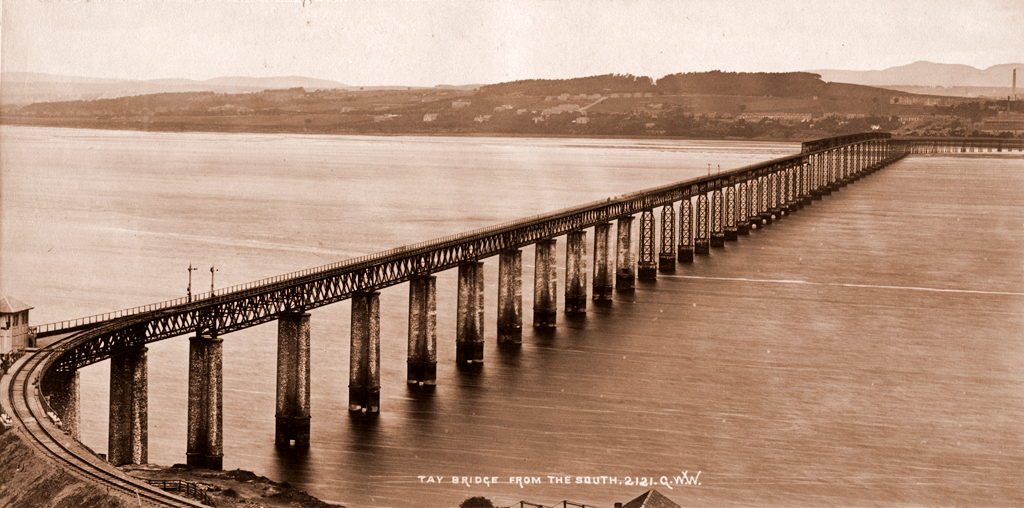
[
  {"x": 717, "y": 210},
  {"x": 263, "y": 303},
  {"x": 731, "y": 205},
  {"x": 952, "y": 145},
  {"x": 686, "y": 223},
  {"x": 647, "y": 237},
  {"x": 668, "y": 229}
]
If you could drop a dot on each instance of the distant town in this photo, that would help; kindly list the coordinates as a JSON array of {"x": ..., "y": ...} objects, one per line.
[{"x": 720, "y": 105}]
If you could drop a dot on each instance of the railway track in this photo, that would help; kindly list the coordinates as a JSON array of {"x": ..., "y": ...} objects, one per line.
[{"x": 24, "y": 404}]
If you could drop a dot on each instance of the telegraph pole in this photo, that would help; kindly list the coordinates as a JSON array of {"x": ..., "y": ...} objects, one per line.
[{"x": 190, "y": 270}]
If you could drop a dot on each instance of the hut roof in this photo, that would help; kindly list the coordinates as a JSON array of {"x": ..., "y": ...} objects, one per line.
[
  {"x": 651, "y": 499},
  {"x": 11, "y": 305}
]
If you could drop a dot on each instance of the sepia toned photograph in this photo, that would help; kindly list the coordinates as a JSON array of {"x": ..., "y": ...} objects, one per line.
[{"x": 523, "y": 253}]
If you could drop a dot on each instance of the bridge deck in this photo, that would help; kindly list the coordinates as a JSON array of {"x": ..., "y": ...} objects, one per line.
[{"x": 238, "y": 307}]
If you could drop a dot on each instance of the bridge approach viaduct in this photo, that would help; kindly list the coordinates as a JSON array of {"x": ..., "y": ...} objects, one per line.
[{"x": 41, "y": 391}]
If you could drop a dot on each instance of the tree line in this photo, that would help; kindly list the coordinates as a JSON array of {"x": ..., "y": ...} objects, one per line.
[{"x": 786, "y": 84}]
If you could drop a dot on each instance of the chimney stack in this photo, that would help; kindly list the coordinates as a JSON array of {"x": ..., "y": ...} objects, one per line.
[{"x": 1015, "y": 84}]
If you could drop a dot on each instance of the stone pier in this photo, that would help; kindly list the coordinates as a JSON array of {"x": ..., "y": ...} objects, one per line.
[
  {"x": 510, "y": 297},
  {"x": 576, "y": 272},
  {"x": 469, "y": 318},
  {"x": 603, "y": 281},
  {"x": 545, "y": 284},
  {"x": 421, "y": 368},
  {"x": 364, "y": 355},
  {"x": 292, "y": 416},
  {"x": 205, "y": 402},
  {"x": 128, "y": 438},
  {"x": 63, "y": 391},
  {"x": 625, "y": 276}
]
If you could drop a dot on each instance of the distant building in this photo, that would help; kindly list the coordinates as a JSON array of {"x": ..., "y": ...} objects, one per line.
[
  {"x": 520, "y": 111},
  {"x": 564, "y": 108},
  {"x": 14, "y": 333},
  {"x": 1004, "y": 122},
  {"x": 789, "y": 118},
  {"x": 460, "y": 104},
  {"x": 650, "y": 499},
  {"x": 430, "y": 117},
  {"x": 918, "y": 101},
  {"x": 582, "y": 120},
  {"x": 482, "y": 118}
]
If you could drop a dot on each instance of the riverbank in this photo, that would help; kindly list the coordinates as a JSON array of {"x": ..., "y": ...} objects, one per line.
[
  {"x": 230, "y": 489},
  {"x": 29, "y": 479},
  {"x": 160, "y": 124}
]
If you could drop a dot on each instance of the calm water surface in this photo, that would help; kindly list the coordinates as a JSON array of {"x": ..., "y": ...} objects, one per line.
[{"x": 868, "y": 350}]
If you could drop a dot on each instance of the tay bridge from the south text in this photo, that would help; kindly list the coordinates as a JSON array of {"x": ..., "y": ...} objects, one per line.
[{"x": 42, "y": 389}]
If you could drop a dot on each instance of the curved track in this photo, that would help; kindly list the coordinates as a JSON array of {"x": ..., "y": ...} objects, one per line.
[{"x": 23, "y": 403}]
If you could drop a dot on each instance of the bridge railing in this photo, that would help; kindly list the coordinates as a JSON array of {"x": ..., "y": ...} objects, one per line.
[
  {"x": 80, "y": 323},
  {"x": 84, "y": 322},
  {"x": 949, "y": 145}
]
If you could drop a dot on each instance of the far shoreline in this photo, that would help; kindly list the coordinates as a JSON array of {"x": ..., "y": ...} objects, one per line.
[{"x": 510, "y": 135}]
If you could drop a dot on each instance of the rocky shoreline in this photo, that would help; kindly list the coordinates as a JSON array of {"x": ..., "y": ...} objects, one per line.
[{"x": 230, "y": 489}]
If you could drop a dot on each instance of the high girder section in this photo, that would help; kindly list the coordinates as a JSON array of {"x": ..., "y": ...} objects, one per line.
[{"x": 233, "y": 309}]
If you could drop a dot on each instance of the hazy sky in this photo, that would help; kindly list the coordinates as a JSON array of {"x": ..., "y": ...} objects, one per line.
[{"x": 429, "y": 42}]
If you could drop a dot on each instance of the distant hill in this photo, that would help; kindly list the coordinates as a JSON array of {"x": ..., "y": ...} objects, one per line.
[
  {"x": 278, "y": 82},
  {"x": 29, "y": 87},
  {"x": 796, "y": 85},
  {"x": 930, "y": 74}
]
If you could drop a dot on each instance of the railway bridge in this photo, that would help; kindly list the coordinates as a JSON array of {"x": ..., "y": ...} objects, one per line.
[{"x": 41, "y": 391}]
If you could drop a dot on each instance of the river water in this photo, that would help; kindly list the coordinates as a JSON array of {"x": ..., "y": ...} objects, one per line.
[{"x": 868, "y": 350}]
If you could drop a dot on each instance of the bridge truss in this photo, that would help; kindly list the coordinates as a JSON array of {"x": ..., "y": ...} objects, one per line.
[{"x": 819, "y": 164}]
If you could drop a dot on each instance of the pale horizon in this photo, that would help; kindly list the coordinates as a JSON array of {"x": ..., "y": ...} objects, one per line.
[
  {"x": 397, "y": 85},
  {"x": 434, "y": 42}
]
